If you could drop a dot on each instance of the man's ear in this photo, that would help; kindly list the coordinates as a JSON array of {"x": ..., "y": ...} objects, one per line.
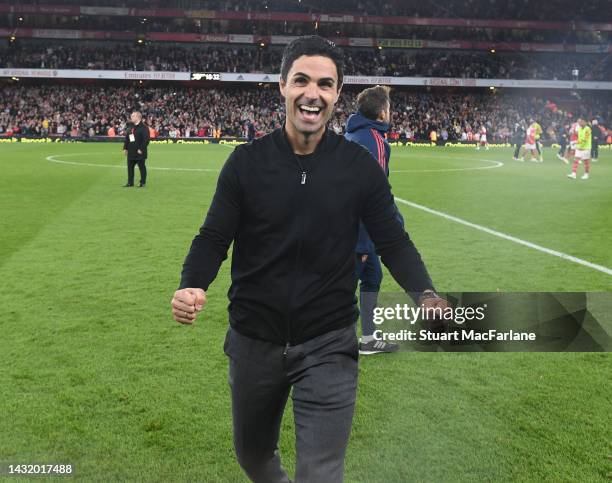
[
  {"x": 338, "y": 93},
  {"x": 282, "y": 85}
]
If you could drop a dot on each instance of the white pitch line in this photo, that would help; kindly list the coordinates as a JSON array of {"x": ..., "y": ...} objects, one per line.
[
  {"x": 484, "y": 229},
  {"x": 495, "y": 164},
  {"x": 555, "y": 253},
  {"x": 122, "y": 166}
]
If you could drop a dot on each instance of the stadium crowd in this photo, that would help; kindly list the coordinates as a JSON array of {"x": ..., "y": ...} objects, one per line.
[
  {"x": 327, "y": 29},
  {"x": 385, "y": 62},
  {"x": 87, "y": 111},
  {"x": 594, "y": 10}
]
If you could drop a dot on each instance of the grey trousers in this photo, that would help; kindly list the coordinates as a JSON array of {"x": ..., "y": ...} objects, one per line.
[{"x": 323, "y": 375}]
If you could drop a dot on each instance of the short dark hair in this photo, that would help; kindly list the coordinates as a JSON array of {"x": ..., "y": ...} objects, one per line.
[
  {"x": 312, "y": 45},
  {"x": 373, "y": 100}
]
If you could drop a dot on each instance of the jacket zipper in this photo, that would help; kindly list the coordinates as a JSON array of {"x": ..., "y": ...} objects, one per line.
[{"x": 303, "y": 176}]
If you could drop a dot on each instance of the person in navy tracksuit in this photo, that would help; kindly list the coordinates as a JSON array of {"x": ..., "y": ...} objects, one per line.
[{"x": 368, "y": 127}]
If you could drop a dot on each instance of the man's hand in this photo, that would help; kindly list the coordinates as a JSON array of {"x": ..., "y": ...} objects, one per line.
[
  {"x": 125, "y": 152},
  {"x": 187, "y": 304},
  {"x": 139, "y": 151},
  {"x": 434, "y": 303},
  {"x": 430, "y": 300}
]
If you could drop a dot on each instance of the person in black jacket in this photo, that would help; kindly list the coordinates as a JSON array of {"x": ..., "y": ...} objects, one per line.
[
  {"x": 291, "y": 202},
  {"x": 518, "y": 138},
  {"x": 562, "y": 139},
  {"x": 135, "y": 147},
  {"x": 595, "y": 140}
]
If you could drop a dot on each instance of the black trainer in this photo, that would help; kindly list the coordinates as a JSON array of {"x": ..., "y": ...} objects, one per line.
[{"x": 128, "y": 185}]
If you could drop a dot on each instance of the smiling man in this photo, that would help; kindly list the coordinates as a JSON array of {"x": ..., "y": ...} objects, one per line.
[{"x": 291, "y": 202}]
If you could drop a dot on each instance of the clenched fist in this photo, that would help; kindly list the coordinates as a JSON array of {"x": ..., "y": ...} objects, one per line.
[
  {"x": 430, "y": 300},
  {"x": 187, "y": 304}
]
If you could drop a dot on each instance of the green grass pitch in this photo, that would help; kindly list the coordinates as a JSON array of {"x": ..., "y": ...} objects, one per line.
[{"x": 96, "y": 373}]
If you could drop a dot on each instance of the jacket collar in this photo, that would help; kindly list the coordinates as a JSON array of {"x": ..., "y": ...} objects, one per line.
[
  {"x": 325, "y": 144},
  {"x": 358, "y": 121}
]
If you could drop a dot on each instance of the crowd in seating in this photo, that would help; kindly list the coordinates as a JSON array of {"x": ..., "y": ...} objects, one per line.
[
  {"x": 140, "y": 25},
  {"x": 385, "y": 62},
  {"x": 177, "y": 111},
  {"x": 594, "y": 10}
]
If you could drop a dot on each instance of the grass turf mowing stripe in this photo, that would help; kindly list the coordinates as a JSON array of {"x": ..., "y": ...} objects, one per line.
[{"x": 564, "y": 256}]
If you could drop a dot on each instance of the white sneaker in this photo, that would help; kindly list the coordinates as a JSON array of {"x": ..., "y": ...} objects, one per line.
[
  {"x": 560, "y": 157},
  {"x": 522, "y": 159},
  {"x": 585, "y": 176},
  {"x": 487, "y": 148},
  {"x": 594, "y": 160},
  {"x": 572, "y": 175},
  {"x": 540, "y": 159},
  {"x": 478, "y": 148},
  {"x": 565, "y": 160}
]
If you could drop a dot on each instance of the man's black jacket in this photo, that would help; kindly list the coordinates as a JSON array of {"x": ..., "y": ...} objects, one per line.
[
  {"x": 519, "y": 134},
  {"x": 141, "y": 141},
  {"x": 596, "y": 134},
  {"x": 293, "y": 261}
]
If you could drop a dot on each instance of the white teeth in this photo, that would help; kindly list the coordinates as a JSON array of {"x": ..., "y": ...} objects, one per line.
[{"x": 310, "y": 108}]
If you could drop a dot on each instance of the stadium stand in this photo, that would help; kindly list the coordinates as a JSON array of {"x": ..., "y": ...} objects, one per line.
[
  {"x": 388, "y": 62},
  {"x": 491, "y": 9},
  {"x": 88, "y": 111},
  {"x": 406, "y": 39},
  {"x": 328, "y": 29}
]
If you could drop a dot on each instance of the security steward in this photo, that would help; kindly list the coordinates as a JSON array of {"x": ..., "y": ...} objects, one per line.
[{"x": 135, "y": 148}]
